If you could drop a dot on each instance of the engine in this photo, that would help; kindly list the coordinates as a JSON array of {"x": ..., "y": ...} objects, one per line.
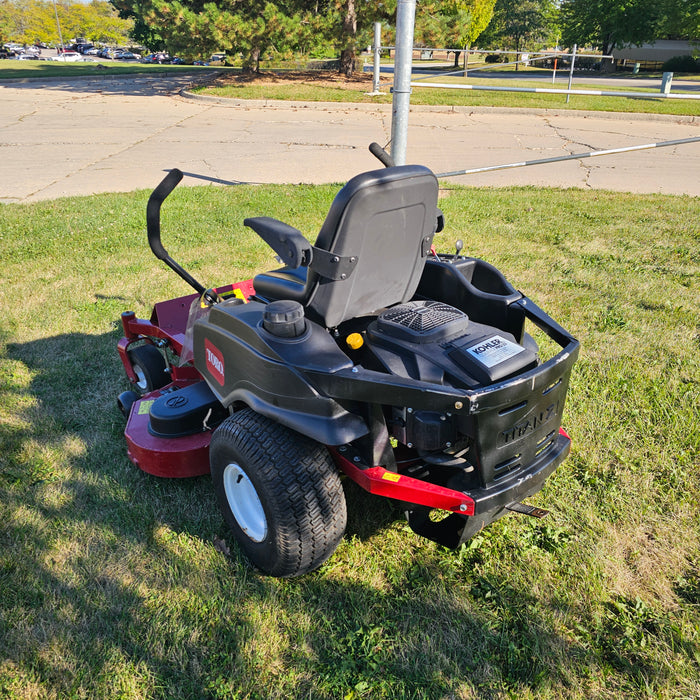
[{"x": 434, "y": 342}]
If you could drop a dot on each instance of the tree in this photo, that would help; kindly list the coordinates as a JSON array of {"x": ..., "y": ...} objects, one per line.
[
  {"x": 608, "y": 24},
  {"x": 195, "y": 29},
  {"x": 29, "y": 21},
  {"x": 452, "y": 23},
  {"x": 680, "y": 19},
  {"x": 348, "y": 24},
  {"x": 7, "y": 21},
  {"x": 520, "y": 24},
  {"x": 347, "y": 55}
]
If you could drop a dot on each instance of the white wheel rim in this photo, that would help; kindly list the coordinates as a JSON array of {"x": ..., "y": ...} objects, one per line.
[
  {"x": 142, "y": 382},
  {"x": 244, "y": 502}
]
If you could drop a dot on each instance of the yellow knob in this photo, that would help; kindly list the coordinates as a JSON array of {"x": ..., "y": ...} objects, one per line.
[{"x": 355, "y": 341}]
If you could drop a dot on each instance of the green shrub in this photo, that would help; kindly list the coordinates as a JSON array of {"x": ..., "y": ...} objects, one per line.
[{"x": 682, "y": 64}]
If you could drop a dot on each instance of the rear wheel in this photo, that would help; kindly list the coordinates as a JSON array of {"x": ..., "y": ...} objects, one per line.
[
  {"x": 149, "y": 367},
  {"x": 279, "y": 492}
]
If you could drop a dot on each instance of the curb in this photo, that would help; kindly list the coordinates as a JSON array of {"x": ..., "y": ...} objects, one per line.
[{"x": 207, "y": 76}]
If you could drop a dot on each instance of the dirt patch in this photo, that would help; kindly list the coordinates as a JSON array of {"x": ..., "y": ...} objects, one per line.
[{"x": 331, "y": 79}]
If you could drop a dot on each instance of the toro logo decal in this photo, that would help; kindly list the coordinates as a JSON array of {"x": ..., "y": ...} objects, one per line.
[{"x": 215, "y": 361}]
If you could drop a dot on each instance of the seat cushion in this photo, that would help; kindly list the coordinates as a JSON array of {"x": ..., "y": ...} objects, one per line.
[{"x": 285, "y": 283}]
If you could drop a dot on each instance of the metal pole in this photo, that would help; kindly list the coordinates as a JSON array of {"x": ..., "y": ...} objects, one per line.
[
  {"x": 573, "y": 156},
  {"x": 377, "y": 53},
  {"x": 666, "y": 81},
  {"x": 571, "y": 71},
  {"x": 557, "y": 91},
  {"x": 405, "y": 21},
  {"x": 58, "y": 26}
]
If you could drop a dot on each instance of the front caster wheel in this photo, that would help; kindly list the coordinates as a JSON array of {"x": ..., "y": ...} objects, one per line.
[
  {"x": 149, "y": 367},
  {"x": 125, "y": 401},
  {"x": 279, "y": 492}
]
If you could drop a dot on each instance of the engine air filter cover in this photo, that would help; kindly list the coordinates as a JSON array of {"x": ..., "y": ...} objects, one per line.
[{"x": 422, "y": 322}]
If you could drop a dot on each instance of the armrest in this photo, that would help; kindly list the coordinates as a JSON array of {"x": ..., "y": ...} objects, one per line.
[{"x": 287, "y": 241}]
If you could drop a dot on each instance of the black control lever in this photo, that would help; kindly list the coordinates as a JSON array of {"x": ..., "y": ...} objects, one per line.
[
  {"x": 378, "y": 152},
  {"x": 167, "y": 185}
]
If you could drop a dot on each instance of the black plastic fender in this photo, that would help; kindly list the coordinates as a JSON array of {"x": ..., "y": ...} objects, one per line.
[{"x": 244, "y": 363}]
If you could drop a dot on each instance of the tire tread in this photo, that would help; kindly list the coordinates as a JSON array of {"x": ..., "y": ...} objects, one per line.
[{"x": 303, "y": 491}]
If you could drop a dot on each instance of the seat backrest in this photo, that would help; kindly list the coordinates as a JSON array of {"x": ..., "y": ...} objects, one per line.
[{"x": 386, "y": 219}]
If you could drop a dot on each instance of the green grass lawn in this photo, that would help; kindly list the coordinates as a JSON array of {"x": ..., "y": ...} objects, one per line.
[
  {"x": 310, "y": 91},
  {"x": 114, "y": 583}
]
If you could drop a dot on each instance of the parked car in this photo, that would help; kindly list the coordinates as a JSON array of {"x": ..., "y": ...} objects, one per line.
[
  {"x": 158, "y": 57},
  {"x": 127, "y": 56},
  {"x": 68, "y": 56},
  {"x": 111, "y": 53}
]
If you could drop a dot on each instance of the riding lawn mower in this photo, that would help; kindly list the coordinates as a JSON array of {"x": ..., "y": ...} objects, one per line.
[{"x": 367, "y": 355}]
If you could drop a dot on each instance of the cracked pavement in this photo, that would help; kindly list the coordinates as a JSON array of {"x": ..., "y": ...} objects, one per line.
[{"x": 75, "y": 137}]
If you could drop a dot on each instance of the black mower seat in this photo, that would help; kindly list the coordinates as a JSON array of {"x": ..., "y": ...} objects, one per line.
[
  {"x": 370, "y": 252},
  {"x": 285, "y": 283}
]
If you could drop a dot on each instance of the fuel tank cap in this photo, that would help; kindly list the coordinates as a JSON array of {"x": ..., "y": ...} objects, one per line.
[{"x": 284, "y": 318}]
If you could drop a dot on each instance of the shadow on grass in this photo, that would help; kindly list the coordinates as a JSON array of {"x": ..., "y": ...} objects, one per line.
[
  {"x": 112, "y": 581},
  {"x": 108, "y": 80}
]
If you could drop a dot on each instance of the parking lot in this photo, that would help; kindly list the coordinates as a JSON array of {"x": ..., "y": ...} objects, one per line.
[{"x": 102, "y": 134}]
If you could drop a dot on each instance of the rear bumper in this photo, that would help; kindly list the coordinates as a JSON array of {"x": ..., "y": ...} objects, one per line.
[
  {"x": 526, "y": 483},
  {"x": 471, "y": 510},
  {"x": 479, "y": 503}
]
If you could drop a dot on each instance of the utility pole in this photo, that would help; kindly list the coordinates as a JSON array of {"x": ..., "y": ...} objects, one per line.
[
  {"x": 405, "y": 23},
  {"x": 58, "y": 26}
]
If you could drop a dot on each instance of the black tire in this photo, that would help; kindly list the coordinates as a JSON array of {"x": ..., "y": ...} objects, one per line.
[
  {"x": 283, "y": 488},
  {"x": 125, "y": 401},
  {"x": 149, "y": 366}
]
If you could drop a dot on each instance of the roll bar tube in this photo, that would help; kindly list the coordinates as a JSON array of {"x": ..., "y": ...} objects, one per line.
[
  {"x": 378, "y": 152},
  {"x": 158, "y": 196}
]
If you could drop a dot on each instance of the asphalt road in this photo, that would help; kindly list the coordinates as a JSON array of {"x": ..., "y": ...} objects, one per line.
[{"x": 75, "y": 137}]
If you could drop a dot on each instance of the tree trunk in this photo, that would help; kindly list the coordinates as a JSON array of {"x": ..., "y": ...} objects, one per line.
[
  {"x": 347, "y": 55},
  {"x": 607, "y": 65},
  {"x": 252, "y": 63},
  {"x": 457, "y": 54}
]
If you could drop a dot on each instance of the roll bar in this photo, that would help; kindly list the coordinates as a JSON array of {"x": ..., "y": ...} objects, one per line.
[{"x": 158, "y": 196}]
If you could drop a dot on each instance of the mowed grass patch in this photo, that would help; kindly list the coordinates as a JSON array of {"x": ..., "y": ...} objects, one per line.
[
  {"x": 331, "y": 87},
  {"x": 118, "y": 584}
]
